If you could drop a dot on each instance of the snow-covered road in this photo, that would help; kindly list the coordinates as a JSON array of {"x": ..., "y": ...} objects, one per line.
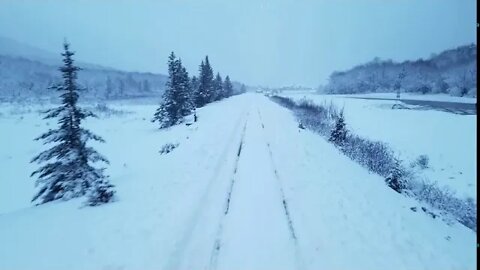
[{"x": 245, "y": 189}]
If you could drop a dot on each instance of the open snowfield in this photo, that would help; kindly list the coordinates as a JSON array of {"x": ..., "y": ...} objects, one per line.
[
  {"x": 244, "y": 189},
  {"x": 413, "y": 96},
  {"x": 449, "y": 140}
]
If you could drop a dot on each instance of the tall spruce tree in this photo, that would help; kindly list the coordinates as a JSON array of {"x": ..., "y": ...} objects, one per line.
[
  {"x": 218, "y": 87},
  {"x": 227, "y": 87},
  {"x": 177, "y": 101},
  {"x": 205, "y": 92},
  {"x": 194, "y": 83},
  {"x": 69, "y": 172},
  {"x": 185, "y": 101}
]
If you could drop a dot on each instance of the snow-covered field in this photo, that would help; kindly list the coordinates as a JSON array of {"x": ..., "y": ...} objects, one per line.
[
  {"x": 449, "y": 140},
  {"x": 244, "y": 189},
  {"x": 413, "y": 96}
]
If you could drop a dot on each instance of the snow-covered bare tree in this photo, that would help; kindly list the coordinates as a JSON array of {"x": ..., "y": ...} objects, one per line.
[{"x": 69, "y": 172}]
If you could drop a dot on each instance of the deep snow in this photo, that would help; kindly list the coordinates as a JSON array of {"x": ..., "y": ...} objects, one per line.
[
  {"x": 449, "y": 140},
  {"x": 244, "y": 189}
]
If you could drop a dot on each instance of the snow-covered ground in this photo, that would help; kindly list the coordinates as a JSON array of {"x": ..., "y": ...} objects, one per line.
[
  {"x": 244, "y": 189},
  {"x": 413, "y": 96},
  {"x": 449, "y": 140}
]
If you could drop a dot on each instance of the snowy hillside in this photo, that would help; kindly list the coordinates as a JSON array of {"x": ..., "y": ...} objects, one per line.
[
  {"x": 26, "y": 73},
  {"x": 17, "y": 49},
  {"x": 22, "y": 79},
  {"x": 452, "y": 71},
  {"x": 257, "y": 193}
]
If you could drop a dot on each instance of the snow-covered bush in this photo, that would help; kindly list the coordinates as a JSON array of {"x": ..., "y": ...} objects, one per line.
[
  {"x": 443, "y": 199},
  {"x": 396, "y": 178},
  {"x": 285, "y": 102},
  {"x": 376, "y": 156},
  {"x": 455, "y": 91},
  {"x": 167, "y": 148},
  {"x": 103, "y": 110},
  {"x": 421, "y": 162}
]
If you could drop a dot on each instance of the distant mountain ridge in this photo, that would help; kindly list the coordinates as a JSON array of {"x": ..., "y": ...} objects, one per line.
[
  {"x": 452, "y": 71},
  {"x": 10, "y": 47},
  {"x": 27, "y": 72}
]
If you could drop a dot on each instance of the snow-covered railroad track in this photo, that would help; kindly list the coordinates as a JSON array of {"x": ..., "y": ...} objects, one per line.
[
  {"x": 199, "y": 221},
  {"x": 217, "y": 245}
]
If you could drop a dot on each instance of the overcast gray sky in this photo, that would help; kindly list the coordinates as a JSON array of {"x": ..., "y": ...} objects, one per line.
[{"x": 267, "y": 42}]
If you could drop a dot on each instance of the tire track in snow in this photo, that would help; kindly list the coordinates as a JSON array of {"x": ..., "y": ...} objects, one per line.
[
  {"x": 288, "y": 216},
  {"x": 217, "y": 244},
  {"x": 178, "y": 255}
]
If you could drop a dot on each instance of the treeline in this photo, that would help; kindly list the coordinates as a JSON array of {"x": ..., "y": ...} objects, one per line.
[
  {"x": 452, "y": 71},
  {"x": 67, "y": 169},
  {"x": 23, "y": 80},
  {"x": 183, "y": 94}
]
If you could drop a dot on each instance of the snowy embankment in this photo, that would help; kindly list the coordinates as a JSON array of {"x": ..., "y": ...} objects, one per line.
[
  {"x": 449, "y": 140},
  {"x": 244, "y": 189}
]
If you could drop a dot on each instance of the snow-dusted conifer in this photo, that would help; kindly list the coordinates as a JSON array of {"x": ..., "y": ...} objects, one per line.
[
  {"x": 69, "y": 172},
  {"x": 218, "y": 87},
  {"x": 338, "y": 134},
  {"x": 205, "y": 92},
  {"x": 227, "y": 87},
  {"x": 177, "y": 101}
]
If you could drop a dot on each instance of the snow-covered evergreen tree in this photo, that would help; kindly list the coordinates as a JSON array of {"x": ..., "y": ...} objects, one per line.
[
  {"x": 177, "y": 100},
  {"x": 339, "y": 132},
  {"x": 185, "y": 99},
  {"x": 218, "y": 87},
  {"x": 69, "y": 172},
  {"x": 194, "y": 84},
  {"x": 205, "y": 92},
  {"x": 227, "y": 87}
]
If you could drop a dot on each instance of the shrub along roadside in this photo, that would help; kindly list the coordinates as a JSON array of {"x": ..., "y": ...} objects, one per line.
[{"x": 328, "y": 121}]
